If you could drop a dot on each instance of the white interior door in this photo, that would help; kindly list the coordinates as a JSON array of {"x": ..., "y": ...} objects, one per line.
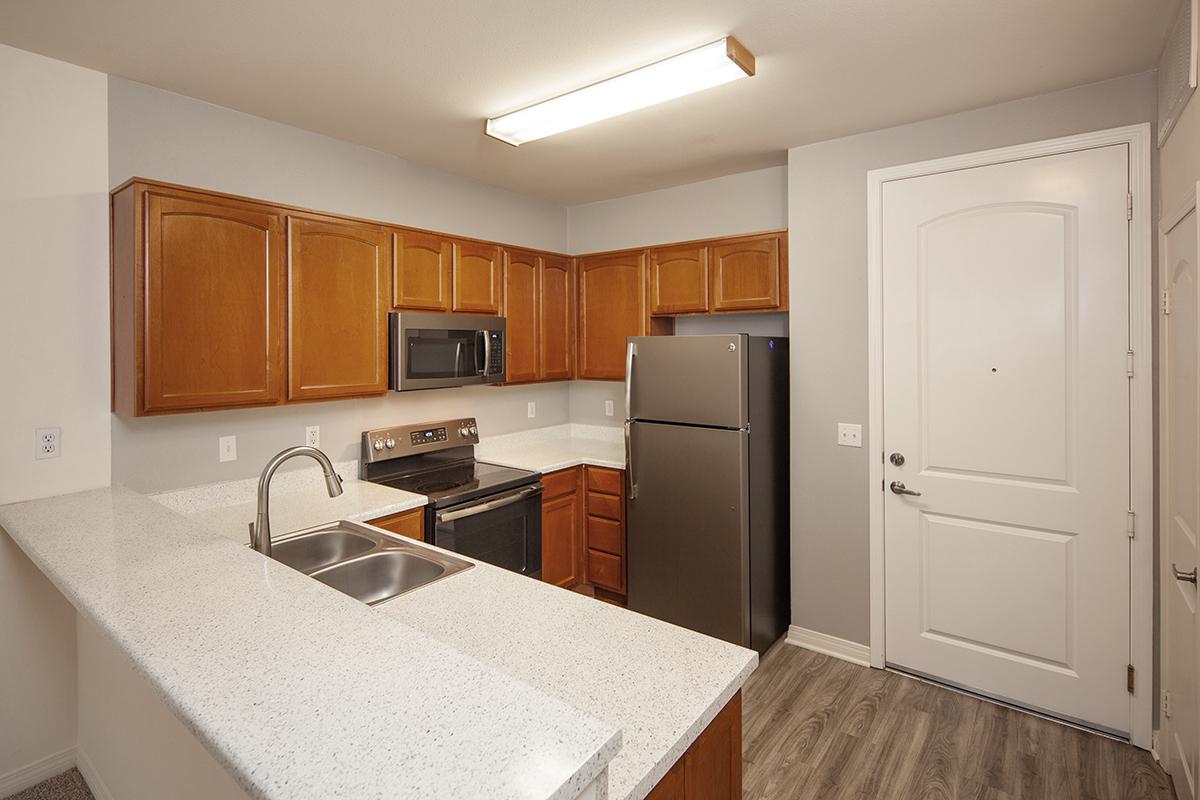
[
  {"x": 1181, "y": 502},
  {"x": 1006, "y": 390}
]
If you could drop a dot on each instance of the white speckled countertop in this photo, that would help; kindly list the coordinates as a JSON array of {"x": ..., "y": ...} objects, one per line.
[
  {"x": 556, "y": 447},
  {"x": 297, "y": 690}
]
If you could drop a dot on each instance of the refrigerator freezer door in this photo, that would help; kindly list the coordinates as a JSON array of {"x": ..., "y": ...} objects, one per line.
[
  {"x": 693, "y": 380},
  {"x": 688, "y": 537}
]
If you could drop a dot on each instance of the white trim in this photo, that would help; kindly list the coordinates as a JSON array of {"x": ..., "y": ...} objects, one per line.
[
  {"x": 91, "y": 777},
  {"x": 1141, "y": 315},
  {"x": 32, "y": 774},
  {"x": 828, "y": 645}
]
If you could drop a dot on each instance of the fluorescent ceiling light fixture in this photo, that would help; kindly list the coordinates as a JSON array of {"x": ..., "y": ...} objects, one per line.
[{"x": 711, "y": 65}]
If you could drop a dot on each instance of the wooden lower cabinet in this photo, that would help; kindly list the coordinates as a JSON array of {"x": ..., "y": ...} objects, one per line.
[
  {"x": 711, "y": 769},
  {"x": 604, "y": 504},
  {"x": 406, "y": 523},
  {"x": 562, "y": 542}
]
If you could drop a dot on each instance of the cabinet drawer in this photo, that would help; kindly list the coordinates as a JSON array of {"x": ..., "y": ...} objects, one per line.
[
  {"x": 406, "y": 523},
  {"x": 606, "y": 481},
  {"x": 606, "y": 535},
  {"x": 605, "y": 570},
  {"x": 556, "y": 484},
  {"x": 604, "y": 505}
]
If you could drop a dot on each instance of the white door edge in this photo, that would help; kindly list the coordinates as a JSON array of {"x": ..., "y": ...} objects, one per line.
[{"x": 1141, "y": 320}]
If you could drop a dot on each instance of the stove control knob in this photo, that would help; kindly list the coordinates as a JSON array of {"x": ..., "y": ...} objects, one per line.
[
  {"x": 464, "y": 432},
  {"x": 378, "y": 444},
  {"x": 474, "y": 431},
  {"x": 390, "y": 444}
]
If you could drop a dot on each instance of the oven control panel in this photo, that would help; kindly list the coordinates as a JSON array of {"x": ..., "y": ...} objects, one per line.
[{"x": 382, "y": 444}]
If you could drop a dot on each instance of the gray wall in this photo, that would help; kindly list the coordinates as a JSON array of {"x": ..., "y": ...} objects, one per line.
[
  {"x": 164, "y": 136},
  {"x": 827, "y": 191}
]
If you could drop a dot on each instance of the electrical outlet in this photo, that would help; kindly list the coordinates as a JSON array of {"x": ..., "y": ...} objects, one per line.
[
  {"x": 531, "y": 410},
  {"x": 312, "y": 436},
  {"x": 849, "y": 435},
  {"x": 227, "y": 448},
  {"x": 608, "y": 408},
  {"x": 47, "y": 443}
]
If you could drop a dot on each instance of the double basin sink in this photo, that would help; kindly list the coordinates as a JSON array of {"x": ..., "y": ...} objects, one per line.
[{"x": 366, "y": 563}]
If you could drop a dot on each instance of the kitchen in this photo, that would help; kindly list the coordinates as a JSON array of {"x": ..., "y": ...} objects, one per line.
[{"x": 213, "y": 368}]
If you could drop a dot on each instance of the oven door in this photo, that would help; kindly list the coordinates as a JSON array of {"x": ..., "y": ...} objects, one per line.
[
  {"x": 433, "y": 351},
  {"x": 504, "y": 530}
]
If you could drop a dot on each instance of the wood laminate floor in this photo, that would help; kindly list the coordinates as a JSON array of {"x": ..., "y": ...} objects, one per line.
[{"x": 817, "y": 728}]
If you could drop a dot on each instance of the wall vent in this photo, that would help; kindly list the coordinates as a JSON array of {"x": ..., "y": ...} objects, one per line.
[{"x": 1177, "y": 68}]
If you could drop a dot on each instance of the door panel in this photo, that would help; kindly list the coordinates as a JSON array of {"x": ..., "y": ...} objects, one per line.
[
  {"x": 1005, "y": 322},
  {"x": 679, "y": 279},
  {"x": 1180, "y": 356},
  {"x": 476, "y": 278},
  {"x": 687, "y": 528},
  {"x": 421, "y": 271},
  {"x": 521, "y": 315},
  {"x": 337, "y": 318},
  {"x": 698, "y": 380},
  {"x": 746, "y": 275},
  {"x": 556, "y": 320},
  {"x": 214, "y": 304},
  {"x": 611, "y": 309}
]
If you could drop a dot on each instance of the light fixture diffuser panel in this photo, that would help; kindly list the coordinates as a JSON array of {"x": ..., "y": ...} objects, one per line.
[{"x": 713, "y": 64}]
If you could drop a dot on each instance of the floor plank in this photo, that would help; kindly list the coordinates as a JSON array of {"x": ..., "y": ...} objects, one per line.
[{"x": 817, "y": 728}]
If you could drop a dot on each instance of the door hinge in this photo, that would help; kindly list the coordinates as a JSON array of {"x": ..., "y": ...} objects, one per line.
[
  {"x": 1129, "y": 678},
  {"x": 1129, "y": 206},
  {"x": 1166, "y": 703},
  {"x": 1166, "y": 302},
  {"x": 1130, "y": 519},
  {"x": 1129, "y": 363}
]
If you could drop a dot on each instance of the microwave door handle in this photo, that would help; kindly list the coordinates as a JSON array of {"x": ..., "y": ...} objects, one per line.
[
  {"x": 459, "y": 365},
  {"x": 487, "y": 353},
  {"x": 499, "y": 502}
]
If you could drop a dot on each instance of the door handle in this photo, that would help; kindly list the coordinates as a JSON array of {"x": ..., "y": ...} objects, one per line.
[
  {"x": 631, "y": 491},
  {"x": 630, "y": 352},
  {"x": 899, "y": 488},
  {"x": 1186, "y": 577},
  {"x": 500, "y": 502}
]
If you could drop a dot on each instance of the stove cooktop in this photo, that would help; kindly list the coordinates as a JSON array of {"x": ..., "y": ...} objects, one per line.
[{"x": 460, "y": 481}]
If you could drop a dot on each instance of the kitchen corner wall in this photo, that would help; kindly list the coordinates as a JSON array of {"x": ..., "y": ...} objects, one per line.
[
  {"x": 54, "y": 327},
  {"x": 827, "y": 210},
  {"x": 169, "y": 137}
]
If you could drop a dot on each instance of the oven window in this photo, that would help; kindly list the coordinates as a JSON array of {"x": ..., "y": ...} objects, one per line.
[
  {"x": 442, "y": 354},
  {"x": 508, "y": 537}
]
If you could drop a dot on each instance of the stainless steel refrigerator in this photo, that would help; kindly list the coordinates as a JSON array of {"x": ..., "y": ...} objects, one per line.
[{"x": 706, "y": 444}]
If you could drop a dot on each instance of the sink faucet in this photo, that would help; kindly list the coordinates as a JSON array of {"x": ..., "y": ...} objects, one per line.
[{"x": 260, "y": 531}]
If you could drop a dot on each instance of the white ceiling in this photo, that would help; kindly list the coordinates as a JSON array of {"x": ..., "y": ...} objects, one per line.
[{"x": 417, "y": 78}]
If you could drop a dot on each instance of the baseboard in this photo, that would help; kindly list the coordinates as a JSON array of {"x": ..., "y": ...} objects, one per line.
[
  {"x": 20, "y": 779},
  {"x": 828, "y": 645},
  {"x": 91, "y": 777}
]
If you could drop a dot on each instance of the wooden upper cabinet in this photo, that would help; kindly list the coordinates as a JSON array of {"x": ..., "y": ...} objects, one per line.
[
  {"x": 421, "y": 270},
  {"x": 197, "y": 302},
  {"x": 521, "y": 315},
  {"x": 337, "y": 308},
  {"x": 556, "y": 318},
  {"x": 611, "y": 307},
  {"x": 477, "y": 278},
  {"x": 679, "y": 279},
  {"x": 748, "y": 274}
]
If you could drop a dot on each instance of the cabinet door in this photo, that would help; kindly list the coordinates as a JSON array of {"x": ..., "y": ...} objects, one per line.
[
  {"x": 421, "y": 271},
  {"x": 406, "y": 523},
  {"x": 213, "y": 303},
  {"x": 476, "y": 278},
  {"x": 337, "y": 309},
  {"x": 521, "y": 315},
  {"x": 556, "y": 318},
  {"x": 611, "y": 308},
  {"x": 679, "y": 279},
  {"x": 747, "y": 274},
  {"x": 561, "y": 557}
]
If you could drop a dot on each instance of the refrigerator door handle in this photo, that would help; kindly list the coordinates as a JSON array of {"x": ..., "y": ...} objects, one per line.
[
  {"x": 631, "y": 491},
  {"x": 630, "y": 352}
]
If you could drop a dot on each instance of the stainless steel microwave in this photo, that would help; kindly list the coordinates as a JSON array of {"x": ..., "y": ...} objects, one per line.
[{"x": 433, "y": 351}]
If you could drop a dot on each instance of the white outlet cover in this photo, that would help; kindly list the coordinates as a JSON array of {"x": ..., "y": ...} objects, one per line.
[
  {"x": 849, "y": 434},
  {"x": 608, "y": 408},
  {"x": 532, "y": 410},
  {"x": 312, "y": 435},
  {"x": 47, "y": 443},
  {"x": 227, "y": 448}
]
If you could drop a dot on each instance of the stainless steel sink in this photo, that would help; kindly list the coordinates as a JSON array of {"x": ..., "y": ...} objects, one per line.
[{"x": 367, "y": 563}]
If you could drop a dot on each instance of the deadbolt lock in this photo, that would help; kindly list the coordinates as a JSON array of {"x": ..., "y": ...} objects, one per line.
[{"x": 897, "y": 459}]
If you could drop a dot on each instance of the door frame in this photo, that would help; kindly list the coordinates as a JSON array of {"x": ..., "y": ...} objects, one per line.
[
  {"x": 1166, "y": 223},
  {"x": 1141, "y": 321}
]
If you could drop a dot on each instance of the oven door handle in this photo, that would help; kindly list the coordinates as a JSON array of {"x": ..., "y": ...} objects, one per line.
[{"x": 491, "y": 505}]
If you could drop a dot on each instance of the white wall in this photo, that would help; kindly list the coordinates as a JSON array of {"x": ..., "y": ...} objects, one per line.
[
  {"x": 54, "y": 358},
  {"x": 828, "y": 260},
  {"x": 164, "y": 136}
]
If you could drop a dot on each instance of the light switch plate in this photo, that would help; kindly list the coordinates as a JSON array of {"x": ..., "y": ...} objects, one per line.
[
  {"x": 532, "y": 410},
  {"x": 227, "y": 448},
  {"x": 849, "y": 434}
]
